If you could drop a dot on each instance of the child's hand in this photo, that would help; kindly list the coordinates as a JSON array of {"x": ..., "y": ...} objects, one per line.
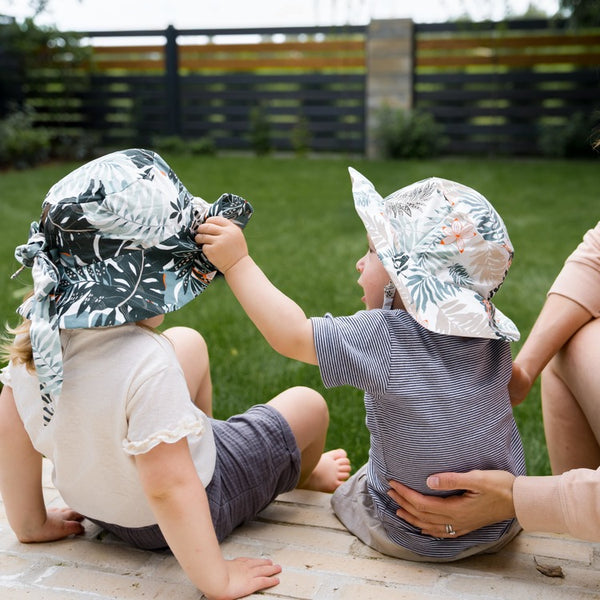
[
  {"x": 60, "y": 523},
  {"x": 248, "y": 575},
  {"x": 222, "y": 242}
]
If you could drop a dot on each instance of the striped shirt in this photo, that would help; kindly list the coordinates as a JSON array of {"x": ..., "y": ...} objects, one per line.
[{"x": 433, "y": 402}]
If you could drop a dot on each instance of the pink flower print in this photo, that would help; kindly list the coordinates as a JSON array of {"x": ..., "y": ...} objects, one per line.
[{"x": 458, "y": 233}]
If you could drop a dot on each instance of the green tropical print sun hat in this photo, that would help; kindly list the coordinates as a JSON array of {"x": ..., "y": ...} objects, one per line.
[
  {"x": 114, "y": 245},
  {"x": 446, "y": 250}
]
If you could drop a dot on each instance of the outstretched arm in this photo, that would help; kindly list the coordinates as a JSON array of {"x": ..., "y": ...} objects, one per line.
[
  {"x": 21, "y": 483},
  {"x": 487, "y": 499},
  {"x": 178, "y": 500},
  {"x": 280, "y": 320}
]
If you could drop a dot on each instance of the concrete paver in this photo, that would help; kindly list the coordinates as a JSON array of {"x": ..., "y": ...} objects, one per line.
[{"x": 320, "y": 559}]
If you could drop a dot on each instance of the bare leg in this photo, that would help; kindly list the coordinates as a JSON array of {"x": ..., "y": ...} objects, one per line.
[
  {"x": 306, "y": 412},
  {"x": 570, "y": 402},
  {"x": 192, "y": 353}
]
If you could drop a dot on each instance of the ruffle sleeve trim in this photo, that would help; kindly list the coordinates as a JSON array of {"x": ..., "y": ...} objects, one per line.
[
  {"x": 5, "y": 377},
  {"x": 195, "y": 427}
]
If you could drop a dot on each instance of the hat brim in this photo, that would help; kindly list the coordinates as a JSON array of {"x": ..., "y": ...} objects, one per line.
[{"x": 435, "y": 300}]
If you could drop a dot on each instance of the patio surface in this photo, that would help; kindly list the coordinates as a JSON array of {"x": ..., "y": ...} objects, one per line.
[{"x": 320, "y": 560}]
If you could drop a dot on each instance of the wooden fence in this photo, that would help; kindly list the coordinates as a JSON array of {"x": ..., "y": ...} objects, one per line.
[
  {"x": 309, "y": 84},
  {"x": 495, "y": 87}
]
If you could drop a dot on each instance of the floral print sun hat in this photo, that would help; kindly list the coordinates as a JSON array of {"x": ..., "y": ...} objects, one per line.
[
  {"x": 115, "y": 244},
  {"x": 446, "y": 250}
]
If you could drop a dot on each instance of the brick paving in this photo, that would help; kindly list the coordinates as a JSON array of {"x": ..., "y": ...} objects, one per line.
[{"x": 321, "y": 561}]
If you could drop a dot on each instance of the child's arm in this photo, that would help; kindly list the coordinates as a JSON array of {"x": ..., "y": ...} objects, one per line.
[
  {"x": 179, "y": 502},
  {"x": 21, "y": 482},
  {"x": 281, "y": 321}
]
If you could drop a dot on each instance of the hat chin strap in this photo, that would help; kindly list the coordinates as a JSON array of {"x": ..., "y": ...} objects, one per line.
[{"x": 389, "y": 292}]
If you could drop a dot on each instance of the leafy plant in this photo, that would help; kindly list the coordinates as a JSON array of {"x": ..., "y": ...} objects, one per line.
[
  {"x": 571, "y": 139},
  {"x": 260, "y": 131},
  {"x": 408, "y": 134},
  {"x": 21, "y": 144},
  {"x": 177, "y": 145},
  {"x": 300, "y": 136},
  {"x": 202, "y": 146}
]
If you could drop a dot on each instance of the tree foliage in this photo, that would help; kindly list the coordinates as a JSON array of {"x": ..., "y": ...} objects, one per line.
[{"x": 581, "y": 13}]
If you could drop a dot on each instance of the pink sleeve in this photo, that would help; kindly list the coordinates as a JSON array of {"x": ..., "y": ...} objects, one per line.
[
  {"x": 567, "y": 503},
  {"x": 579, "y": 279}
]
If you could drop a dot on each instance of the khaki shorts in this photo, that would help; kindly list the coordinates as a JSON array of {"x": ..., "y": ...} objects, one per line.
[{"x": 354, "y": 507}]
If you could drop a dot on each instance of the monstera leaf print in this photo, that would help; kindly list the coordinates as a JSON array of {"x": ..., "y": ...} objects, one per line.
[
  {"x": 460, "y": 276},
  {"x": 186, "y": 265},
  {"x": 110, "y": 292},
  {"x": 426, "y": 289},
  {"x": 458, "y": 317},
  {"x": 113, "y": 172},
  {"x": 141, "y": 215}
]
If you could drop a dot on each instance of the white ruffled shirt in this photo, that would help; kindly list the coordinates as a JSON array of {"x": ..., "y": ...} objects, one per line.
[{"x": 124, "y": 392}]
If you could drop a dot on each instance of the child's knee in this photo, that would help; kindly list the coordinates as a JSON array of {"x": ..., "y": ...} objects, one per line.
[
  {"x": 187, "y": 338},
  {"x": 316, "y": 404}
]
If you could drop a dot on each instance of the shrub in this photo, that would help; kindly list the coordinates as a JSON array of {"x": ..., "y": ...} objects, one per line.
[
  {"x": 177, "y": 145},
  {"x": 260, "y": 131},
  {"x": 408, "y": 134},
  {"x": 169, "y": 143},
  {"x": 81, "y": 145},
  {"x": 202, "y": 146},
  {"x": 21, "y": 144},
  {"x": 572, "y": 139},
  {"x": 300, "y": 136}
]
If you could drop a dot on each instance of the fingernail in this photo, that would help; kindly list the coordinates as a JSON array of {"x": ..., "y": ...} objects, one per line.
[{"x": 433, "y": 481}]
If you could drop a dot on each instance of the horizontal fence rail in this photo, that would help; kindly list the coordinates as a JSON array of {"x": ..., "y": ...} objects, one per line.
[
  {"x": 495, "y": 88},
  {"x": 134, "y": 93}
]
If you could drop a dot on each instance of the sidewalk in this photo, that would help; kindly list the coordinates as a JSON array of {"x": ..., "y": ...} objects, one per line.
[{"x": 321, "y": 561}]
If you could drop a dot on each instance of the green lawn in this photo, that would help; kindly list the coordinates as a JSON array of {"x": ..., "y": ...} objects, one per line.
[{"x": 307, "y": 237}]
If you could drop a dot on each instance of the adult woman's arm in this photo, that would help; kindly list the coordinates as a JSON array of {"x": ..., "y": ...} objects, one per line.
[
  {"x": 559, "y": 319},
  {"x": 573, "y": 300},
  {"x": 485, "y": 497},
  {"x": 21, "y": 483}
]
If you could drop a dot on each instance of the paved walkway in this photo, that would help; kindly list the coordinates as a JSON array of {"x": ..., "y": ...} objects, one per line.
[{"x": 321, "y": 561}]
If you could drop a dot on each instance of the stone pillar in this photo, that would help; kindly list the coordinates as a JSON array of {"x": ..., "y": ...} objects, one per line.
[{"x": 389, "y": 71}]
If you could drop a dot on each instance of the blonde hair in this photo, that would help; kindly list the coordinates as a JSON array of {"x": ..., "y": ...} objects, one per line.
[{"x": 16, "y": 346}]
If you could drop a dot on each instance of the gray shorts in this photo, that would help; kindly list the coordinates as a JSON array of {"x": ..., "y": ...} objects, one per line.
[
  {"x": 257, "y": 459},
  {"x": 353, "y": 506}
]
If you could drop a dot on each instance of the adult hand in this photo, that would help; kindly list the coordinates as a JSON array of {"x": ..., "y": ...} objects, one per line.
[
  {"x": 249, "y": 575},
  {"x": 60, "y": 523},
  {"x": 486, "y": 499}
]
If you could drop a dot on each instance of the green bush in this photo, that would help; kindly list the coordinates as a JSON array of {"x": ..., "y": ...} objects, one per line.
[
  {"x": 408, "y": 134},
  {"x": 81, "y": 145},
  {"x": 177, "y": 145},
  {"x": 203, "y": 146},
  {"x": 260, "y": 131},
  {"x": 300, "y": 136},
  {"x": 572, "y": 139},
  {"x": 21, "y": 144}
]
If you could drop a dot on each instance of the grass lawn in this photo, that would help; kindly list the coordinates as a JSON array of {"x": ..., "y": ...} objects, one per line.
[{"x": 307, "y": 237}]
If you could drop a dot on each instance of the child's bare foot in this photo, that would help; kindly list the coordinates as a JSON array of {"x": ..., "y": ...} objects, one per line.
[{"x": 331, "y": 471}]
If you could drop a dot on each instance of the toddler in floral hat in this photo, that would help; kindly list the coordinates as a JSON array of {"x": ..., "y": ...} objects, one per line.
[{"x": 431, "y": 352}]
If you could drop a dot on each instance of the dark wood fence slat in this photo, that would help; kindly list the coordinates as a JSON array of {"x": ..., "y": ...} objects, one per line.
[{"x": 491, "y": 86}]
